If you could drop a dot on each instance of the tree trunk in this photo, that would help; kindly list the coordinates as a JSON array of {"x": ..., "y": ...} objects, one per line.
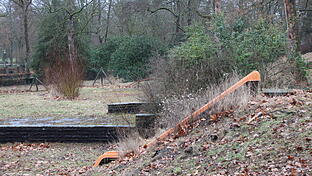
[
  {"x": 72, "y": 50},
  {"x": 11, "y": 33},
  {"x": 24, "y": 5},
  {"x": 178, "y": 15},
  {"x": 189, "y": 10},
  {"x": 100, "y": 22},
  {"x": 292, "y": 27},
  {"x": 217, "y": 6},
  {"x": 108, "y": 20},
  {"x": 71, "y": 43},
  {"x": 27, "y": 54}
]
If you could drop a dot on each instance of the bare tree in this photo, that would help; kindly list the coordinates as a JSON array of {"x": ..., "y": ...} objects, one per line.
[
  {"x": 72, "y": 11},
  {"x": 292, "y": 26},
  {"x": 24, "y": 5},
  {"x": 108, "y": 20},
  {"x": 99, "y": 4}
]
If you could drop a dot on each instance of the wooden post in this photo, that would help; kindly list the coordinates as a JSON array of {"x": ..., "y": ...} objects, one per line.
[
  {"x": 253, "y": 87},
  {"x": 145, "y": 124}
]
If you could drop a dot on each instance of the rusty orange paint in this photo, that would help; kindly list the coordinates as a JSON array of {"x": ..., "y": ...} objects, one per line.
[
  {"x": 113, "y": 155},
  {"x": 253, "y": 76}
]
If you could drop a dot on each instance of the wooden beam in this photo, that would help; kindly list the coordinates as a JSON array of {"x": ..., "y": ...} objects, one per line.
[{"x": 251, "y": 77}]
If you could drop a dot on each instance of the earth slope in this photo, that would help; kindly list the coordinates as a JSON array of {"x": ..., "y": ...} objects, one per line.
[{"x": 272, "y": 136}]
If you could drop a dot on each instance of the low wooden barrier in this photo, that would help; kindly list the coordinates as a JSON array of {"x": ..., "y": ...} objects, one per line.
[
  {"x": 15, "y": 78},
  {"x": 62, "y": 133},
  {"x": 252, "y": 79},
  {"x": 129, "y": 107},
  {"x": 145, "y": 124},
  {"x": 276, "y": 92}
]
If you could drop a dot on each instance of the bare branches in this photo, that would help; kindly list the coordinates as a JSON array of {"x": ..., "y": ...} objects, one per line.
[
  {"x": 173, "y": 14},
  {"x": 22, "y": 3},
  {"x": 163, "y": 8},
  {"x": 71, "y": 14}
]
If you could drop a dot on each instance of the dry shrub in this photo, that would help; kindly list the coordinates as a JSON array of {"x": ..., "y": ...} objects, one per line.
[
  {"x": 279, "y": 74},
  {"x": 173, "y": 77},
  {"x": 175, "y": 108},
  {"x": 177, "y": 93},
  {"x": 65, "y": 78},
  {"x": 130, "y": 144},
  {"x": 114, "y": 80},
  {"x": 308, "y": 60}
]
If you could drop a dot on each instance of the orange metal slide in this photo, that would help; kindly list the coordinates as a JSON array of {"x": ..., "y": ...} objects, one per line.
[{"x": 251, "y": 77}]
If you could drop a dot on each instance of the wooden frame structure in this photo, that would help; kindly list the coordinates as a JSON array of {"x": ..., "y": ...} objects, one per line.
[
  {"x": 252, "y": 79},
  {"x": 101, "y": 73}
]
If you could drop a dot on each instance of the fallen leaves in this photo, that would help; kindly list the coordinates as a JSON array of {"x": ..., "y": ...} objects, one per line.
[
  {"x": 26, "y": 147},
  {"x": 215, "y": 117}
]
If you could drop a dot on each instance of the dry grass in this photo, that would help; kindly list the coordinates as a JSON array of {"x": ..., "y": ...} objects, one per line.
[
  {"x": 92, "y": 102},
  {"x": 308, "y": 58},
  {"x": 130, "y": 144},
  {"x": 178, "y": 107}
]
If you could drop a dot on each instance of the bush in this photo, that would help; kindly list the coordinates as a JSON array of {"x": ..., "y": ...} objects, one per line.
[
  {"x": 127, "y": 57},
  {"x": 257, "y": 46},
  {"x": 64, "y": 78},
  {"x": 101, "y": 56},
  {"x": 192, "y": 66},
  {"x": 51, "y": 57},
  {"x": 210, "y": 54},
  {"x": 52, "y": 37}
]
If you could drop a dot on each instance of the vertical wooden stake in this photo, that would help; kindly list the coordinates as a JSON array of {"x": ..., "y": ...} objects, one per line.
[{"x": 253, "y": 87}]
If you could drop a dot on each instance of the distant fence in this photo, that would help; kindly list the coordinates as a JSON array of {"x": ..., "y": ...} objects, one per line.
[{"x": 15, "y": 78}]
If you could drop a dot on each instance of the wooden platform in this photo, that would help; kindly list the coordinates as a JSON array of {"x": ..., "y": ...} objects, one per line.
[
  {"x": 276, "y": 92},
  {"x": 127, "y": 107},
  {"x": 15, "y": 79},
  {"x": 62, "y": 133}
]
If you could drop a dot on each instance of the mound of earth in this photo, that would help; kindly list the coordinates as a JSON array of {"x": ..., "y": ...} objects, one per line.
[{"x": 272, "y": 136}]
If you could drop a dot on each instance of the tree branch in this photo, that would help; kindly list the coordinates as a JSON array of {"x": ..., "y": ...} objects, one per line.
[
  {"x": 163, "y": 8},
  {"x": 18, "y": 3},
  {"x": 166, "y": 9},
  {"x": 79, "y": 10}
]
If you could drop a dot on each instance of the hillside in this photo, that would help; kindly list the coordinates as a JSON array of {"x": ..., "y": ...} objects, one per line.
[{"x": 272, "y": 136}]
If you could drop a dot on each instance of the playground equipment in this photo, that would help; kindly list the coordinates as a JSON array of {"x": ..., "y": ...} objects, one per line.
[{"x": 252, "y": 80}]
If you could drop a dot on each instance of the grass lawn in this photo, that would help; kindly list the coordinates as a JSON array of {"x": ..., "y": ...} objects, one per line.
[{"x": 15, "y": 103}]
